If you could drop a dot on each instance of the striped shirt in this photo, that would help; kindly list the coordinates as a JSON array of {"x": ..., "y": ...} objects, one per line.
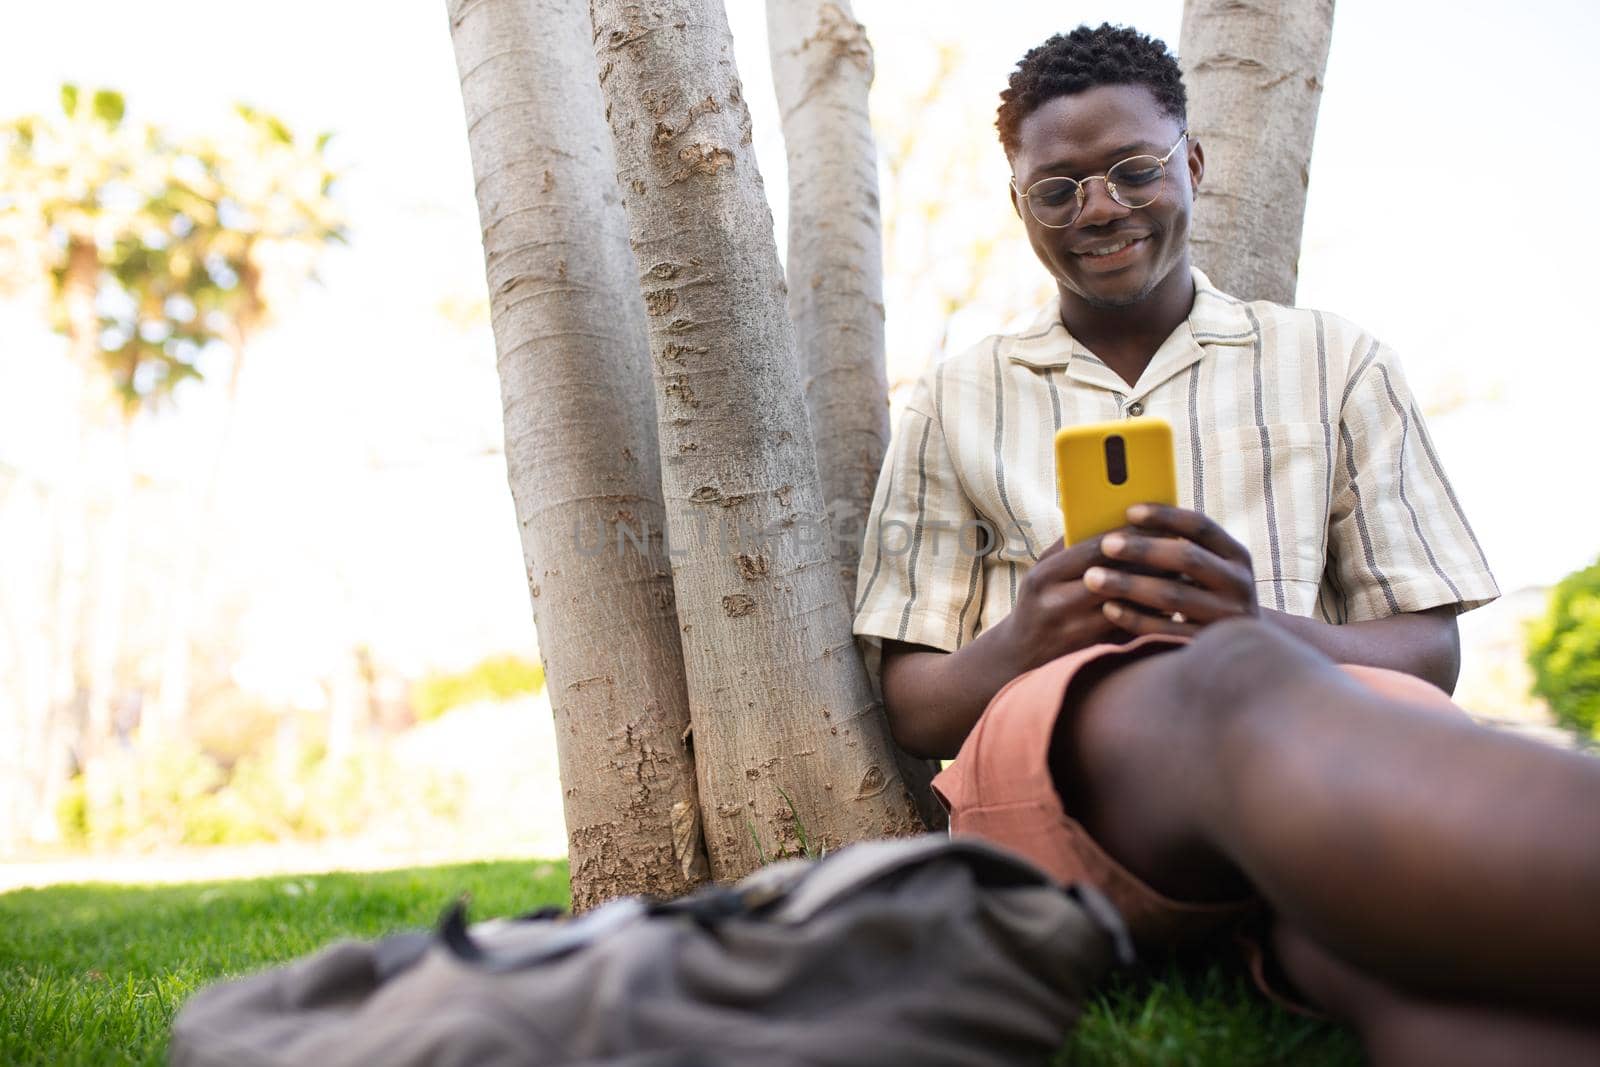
[{"x": 1293, "y": 429}]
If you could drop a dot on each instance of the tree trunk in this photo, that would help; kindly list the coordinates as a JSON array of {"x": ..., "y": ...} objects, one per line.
[
  {"x": 791, "y": 749},
  {"x": 187, "y": 597},
  {"x": 1254, "y": 75},
  {"x": 110, "y": 459},
  {"x": 28, "y": 523},
  {"x": 65, "y": 732},
  {"x": 822, "y": 68},
  {"x": 581, "y": 442}
]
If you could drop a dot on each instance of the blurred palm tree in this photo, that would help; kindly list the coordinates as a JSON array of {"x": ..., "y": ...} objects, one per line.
[
  {"x": 147, "y": 254},
  {"x": 72, "y": 190}
]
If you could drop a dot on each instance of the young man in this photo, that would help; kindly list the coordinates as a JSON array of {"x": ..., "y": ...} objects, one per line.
[
  {"x": 1313, "y": 506},
  {"x": 1311, "y": 493}
]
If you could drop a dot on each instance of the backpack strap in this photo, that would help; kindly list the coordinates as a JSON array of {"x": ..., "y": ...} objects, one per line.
[{"x": 549, "y": 939}]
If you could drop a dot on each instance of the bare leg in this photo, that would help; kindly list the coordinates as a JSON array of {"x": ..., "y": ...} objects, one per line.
[
  {"x": 1402, "y": 1028},
  {"x": 1433, "y": 855}
]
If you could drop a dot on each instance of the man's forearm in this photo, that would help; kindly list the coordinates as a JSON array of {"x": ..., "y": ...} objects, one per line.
[
  {"x": 1425, "y": 644},
  {"x": 933, "y": 698}
]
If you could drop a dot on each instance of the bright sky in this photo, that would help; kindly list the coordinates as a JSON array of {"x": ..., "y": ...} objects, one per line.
[{"x": 366, "y": 493}]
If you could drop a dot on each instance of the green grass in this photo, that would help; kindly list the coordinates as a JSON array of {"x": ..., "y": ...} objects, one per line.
[
  {"x": 1199, "y": 1013},
  {"x": 94, "y": 974}
]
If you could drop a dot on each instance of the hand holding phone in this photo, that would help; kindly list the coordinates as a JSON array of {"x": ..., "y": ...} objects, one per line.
[
  {"x": 1104, "y": 468},
  {"x": 1167, "y": 569}
]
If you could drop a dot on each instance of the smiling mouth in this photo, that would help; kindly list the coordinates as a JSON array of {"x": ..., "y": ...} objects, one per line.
[
  {"x": 1112, "y": 255},
  {"x": 1110, "y": 249}
]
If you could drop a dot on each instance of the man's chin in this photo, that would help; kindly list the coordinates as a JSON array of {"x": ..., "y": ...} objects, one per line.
[{"x": 1107, "y": 301}]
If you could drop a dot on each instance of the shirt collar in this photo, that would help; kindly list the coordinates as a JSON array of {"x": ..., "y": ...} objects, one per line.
[{"x": 1216, "y": 319}]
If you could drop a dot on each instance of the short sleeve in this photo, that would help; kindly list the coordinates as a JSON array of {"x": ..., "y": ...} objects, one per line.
[
  {"x": 1398, "y": 539},
  {"x": 920, "y": 577}
]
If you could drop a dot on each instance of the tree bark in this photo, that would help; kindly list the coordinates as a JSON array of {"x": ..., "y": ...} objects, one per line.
[
  {"x": 1254, "y": 74},
  {"x": 580, "y": 442},
  {"x": 822, "y": 68},
  {"x": 792, "y": 751}
]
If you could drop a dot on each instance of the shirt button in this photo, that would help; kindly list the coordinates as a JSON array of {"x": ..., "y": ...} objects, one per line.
[{"x": 1135, "y": 409}]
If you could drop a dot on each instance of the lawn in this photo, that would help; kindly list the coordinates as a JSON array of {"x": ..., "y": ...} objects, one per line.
[{"x": 94, "y": 974}]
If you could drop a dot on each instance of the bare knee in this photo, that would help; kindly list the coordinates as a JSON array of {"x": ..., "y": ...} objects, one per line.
[
  {"x": 1235, "y": 663},
  {"x": 1130, "y": 724}
]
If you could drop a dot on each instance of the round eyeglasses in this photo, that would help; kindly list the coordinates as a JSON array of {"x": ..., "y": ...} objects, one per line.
[{"x": 1134, "y": 182}]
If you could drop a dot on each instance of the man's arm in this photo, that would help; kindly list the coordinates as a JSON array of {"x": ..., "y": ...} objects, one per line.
[
  {"x": 1426, "y": 644},
  {"x": 933, "y": 698}
]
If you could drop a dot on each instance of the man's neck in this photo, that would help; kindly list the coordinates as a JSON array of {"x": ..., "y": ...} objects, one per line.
[{"x": 1126, "y": 338}]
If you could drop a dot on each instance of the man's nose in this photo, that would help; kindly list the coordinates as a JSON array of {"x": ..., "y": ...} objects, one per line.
[{"x": 1098, "y": 206}]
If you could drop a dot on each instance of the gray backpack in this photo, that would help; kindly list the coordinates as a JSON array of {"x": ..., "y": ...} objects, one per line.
[{"x": 925, "y": 951}]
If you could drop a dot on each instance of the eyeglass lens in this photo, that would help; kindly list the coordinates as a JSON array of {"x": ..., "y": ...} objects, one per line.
[{"x": 1133, "y": 182}]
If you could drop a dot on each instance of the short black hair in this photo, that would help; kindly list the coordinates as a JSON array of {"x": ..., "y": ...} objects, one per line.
[{"x": 1073, "y": 62}]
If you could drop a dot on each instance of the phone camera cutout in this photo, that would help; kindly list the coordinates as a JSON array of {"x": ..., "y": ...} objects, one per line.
[{"x": 1116, "y": 460}]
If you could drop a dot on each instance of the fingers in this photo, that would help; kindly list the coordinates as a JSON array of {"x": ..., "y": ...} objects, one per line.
[
  {"x": 1165, "y": 596},
  {"x": 1054, "y": 619},
  {"x": 1141, "y": 553},
  {"x": 1066, "y": 563},
  {"x": 1137, "y": 622},
  {"x": 1190, "y": 525}
]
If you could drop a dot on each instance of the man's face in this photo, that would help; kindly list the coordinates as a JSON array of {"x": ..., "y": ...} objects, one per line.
[{"x": 1085, "y": 134}]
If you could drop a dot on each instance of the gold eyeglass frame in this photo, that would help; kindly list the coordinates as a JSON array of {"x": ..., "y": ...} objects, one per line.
[{"x": 1111, "y": 186}]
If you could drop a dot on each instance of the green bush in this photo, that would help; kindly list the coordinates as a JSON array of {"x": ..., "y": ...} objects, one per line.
[
  {"x": 1564, "y": 652},
  {"x": 495, "y": 678},
  {"x": 175, "y": 794}
]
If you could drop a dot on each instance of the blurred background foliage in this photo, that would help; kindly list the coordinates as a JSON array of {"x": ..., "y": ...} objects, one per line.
[
  {"x": 495, "y": 678},
  {"x": 1564, "y": 652},
  {"x": 244, "y": 772},
  {"x": 155, "y": 246},
  {"x": 160, "y": 258}
]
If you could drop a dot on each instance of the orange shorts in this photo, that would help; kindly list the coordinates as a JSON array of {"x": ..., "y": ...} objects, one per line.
[{"x": 999, "y": 788}]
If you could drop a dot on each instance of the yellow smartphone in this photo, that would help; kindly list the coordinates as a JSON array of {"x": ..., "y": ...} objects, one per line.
[{"x": 1104, "y": 468}]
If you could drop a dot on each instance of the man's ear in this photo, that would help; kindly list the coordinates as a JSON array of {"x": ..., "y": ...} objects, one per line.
[
  {"x": 1197, "y": 164},
  {"x": 1016, "y": 201}
]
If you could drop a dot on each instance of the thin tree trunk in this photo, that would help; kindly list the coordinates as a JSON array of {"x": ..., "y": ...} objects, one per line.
[
  {"x": 199, "y": 533},
  {"x": 27, "y": 525},
  {"x": 790, "y": 746},
  {"x": 109, "y": 459},
  {"x": 822, "y": 68},
  {"x": 1254, "y": 73},
  {"x": 65, "y": 728},
  {"x": 581, "y": 442}
]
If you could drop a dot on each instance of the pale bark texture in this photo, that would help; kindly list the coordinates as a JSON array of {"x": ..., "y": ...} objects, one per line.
[
  {"x": 822, "y": 69},
  {"x": 1254, "y": 73},
  {"x": 581, "y": 442},
  {"x": 791, "y": 750}
]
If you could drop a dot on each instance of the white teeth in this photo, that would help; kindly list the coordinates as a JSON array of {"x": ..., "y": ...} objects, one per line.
[{"x": 1106, "y": 251}]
